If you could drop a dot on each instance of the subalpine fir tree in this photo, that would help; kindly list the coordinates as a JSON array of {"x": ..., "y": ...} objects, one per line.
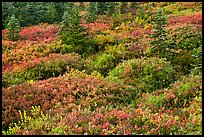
[
  {"x": 123, "y": 7},
  {"x": 71, "y": 33},
  {"x": 92, "y": 12},
  {"x": 8, "y": 10},
  {"x": 159, "y": 46},
  {"x": 134, "y": 5},
  {"x": 110, "y": 8},
  {"x": 100, "y": 8},
  {"x": 51, "y": 13},
  {"x": 13, "y": 28},
  {"x": 60, "y": 8}
]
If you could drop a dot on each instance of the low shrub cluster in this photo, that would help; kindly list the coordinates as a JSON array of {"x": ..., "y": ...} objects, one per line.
[
  {"x": 103, "y": 63},
  {"x": 101, "y": 41},
  {"x": 40, "y": 32},
  {"x": 124, "y": 74},
  {"x": 147, "y": 73},
  {"x": 185, "y": 37},
  {"x": 183, "y": 41},
  {"x": 96, "y": 27},
  {"x": 183, "y": 62},
  {"x": 65, "y": 48},
  {"x": 179, "y": 109},
  {"x": 63, "y": 92},
  {"x": 43, "y": 68},
  {"x": 17, "y": 54},
  {"x": 179, "y": 95},
  {"x": 181, "y": 100},
  {"x": 191, "y": 19},
  {"x": 181, "y": 9},
  {"x": 14, "y": 52},
  {"x": 121, "y": 52}
]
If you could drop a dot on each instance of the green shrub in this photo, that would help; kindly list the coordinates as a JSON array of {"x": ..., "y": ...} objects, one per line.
[
  {"x": 97, "y": 74},
  {"x": 190, "y": 40},
  {"x": 185, "y": 37},
  {"x": 102, "y": 40},
  {"x": 197, "y": 53},
  {"x": 120, "y": 51},
  {"x": 12, "y": 78},
  {"x": 124, "y": 51},
  {"x": 104, "y": 63},
  {"x": 71, "y": 48},
  {"x": 184, "y": 42},
  {"x": 179, "y": 95},
  {"x": 116, "y": 49},
  {"x": 183, "y": 62},
  {"x": 61, "y": 48},
  {"x": 146, "y": 73},
  {"x": 58, "y": 66}
]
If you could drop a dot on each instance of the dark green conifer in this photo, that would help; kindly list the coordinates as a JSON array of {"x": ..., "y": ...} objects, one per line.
[
  {"x": 13, "y": 28},
  {"x": 159, "y": 45}
]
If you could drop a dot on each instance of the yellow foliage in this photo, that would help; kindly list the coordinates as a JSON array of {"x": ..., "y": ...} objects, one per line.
[
  {"x": 97, "y": 74},
  {"x": 117, "y": 48},
  {"x": 102, "y": 39},
  {"x": 30, "y": 81},
  {"x": 122, "y": 27}
]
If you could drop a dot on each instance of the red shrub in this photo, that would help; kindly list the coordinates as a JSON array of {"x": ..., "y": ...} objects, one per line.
[
  {"x": 67, "y": 90},
  {"x": 96, "y": 26},
  {"x": 40, "y": 32},
  {"x": 4, "y": 36},
  {"x": 23, "y": 51},
  {"x": 191, "y": 19}
]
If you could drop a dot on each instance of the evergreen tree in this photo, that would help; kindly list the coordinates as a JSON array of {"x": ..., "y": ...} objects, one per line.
[
  {"x": 92, "y": 12},
  {"x": 110, "y": 8},
  {"x": 13, "y": 28},
  {"x": 8, "y": 9},
  {"x": 159, "y": 45},
  {"x": 60, "y": 8},
  {"x": 134, "y": 5},
  {"x": 81, "y": 6},
  {"x": 100, "y": 8},
  {"x": 32, "y": 13},
  {"x": 41, "y": 14},
  {"x": 71, "y": 33},
  {"x": 123, "y": 7},
  {"x": 51, "y": 13},
  {"x": 5, "y": 6},
  {"x": 28, "y": 14}
]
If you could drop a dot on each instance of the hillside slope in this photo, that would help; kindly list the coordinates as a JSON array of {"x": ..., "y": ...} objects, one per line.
[{"x": 126, "y": 84}]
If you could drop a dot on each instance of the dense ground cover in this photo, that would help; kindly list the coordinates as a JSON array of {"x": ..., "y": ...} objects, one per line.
[{"x": 118, "y": 88}]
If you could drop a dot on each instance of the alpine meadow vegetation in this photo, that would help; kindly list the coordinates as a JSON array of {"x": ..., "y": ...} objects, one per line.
[{"x": 101, "y": 68}]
